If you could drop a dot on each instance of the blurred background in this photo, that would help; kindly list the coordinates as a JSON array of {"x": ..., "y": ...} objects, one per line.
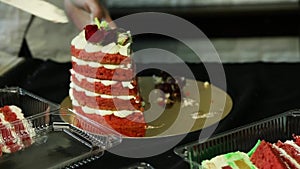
[{"x": 240, "y": 30}]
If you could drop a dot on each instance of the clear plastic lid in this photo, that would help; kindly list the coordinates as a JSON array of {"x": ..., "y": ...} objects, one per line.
[
  {"x": 279, "y": 127},
  {"x": 49, "y": 136}
]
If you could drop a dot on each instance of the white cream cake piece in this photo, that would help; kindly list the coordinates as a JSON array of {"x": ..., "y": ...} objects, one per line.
[{"x": 233, "y": 160}]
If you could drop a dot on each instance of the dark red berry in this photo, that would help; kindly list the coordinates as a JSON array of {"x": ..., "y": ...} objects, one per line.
[{"x": 93, "y": 34}]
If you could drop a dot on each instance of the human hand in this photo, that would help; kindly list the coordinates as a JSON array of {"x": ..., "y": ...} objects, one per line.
[{"x": 82, "y": 12}]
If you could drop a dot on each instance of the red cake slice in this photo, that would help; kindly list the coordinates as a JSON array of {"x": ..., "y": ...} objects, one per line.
[
  {"x": 16, "y": 131},
  {"x": 9, "y": 142},
  {"x": 280, "y": 155},
  {"x": 266, "y": 157}
]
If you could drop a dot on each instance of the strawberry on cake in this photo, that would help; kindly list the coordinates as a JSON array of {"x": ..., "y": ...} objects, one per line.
[
  {"x": 103, "y": 85},
  {"x": 16, "y": 131}
]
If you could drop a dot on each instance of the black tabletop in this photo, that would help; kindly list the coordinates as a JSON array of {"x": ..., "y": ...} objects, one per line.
[{"x": 258, "y": 90}]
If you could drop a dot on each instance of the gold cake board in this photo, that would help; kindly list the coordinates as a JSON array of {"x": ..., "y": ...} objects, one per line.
[{"x": 194, "y": 112}]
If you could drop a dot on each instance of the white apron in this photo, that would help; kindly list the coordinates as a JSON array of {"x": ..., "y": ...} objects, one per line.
[
  {"x": 13, "y": 23},
  {"x": 46, "y": 40}
]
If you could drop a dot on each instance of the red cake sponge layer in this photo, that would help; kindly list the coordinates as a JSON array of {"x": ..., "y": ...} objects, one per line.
[
  {"x": 103, "y": 73},
  {"x": 265, "y": 157},
  {"x": 97, "y": 102},
  {"x": 100, "y": 57}
]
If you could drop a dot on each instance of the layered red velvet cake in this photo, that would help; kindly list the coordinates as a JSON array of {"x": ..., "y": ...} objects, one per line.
[
  {"x": 16, "y": 131},
  {"x": 280, "y": 155},
  {"x": 103, "y": 85},
  {"x": 264, "y": 155}
]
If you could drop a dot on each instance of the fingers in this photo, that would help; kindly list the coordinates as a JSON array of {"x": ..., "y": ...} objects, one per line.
[
  {"x": 99, "y": 11},
  {"x": 81, "y": 11},
  {"x": 79, "y": 17},
  {"x": 108, "y": 19},
  {"x": 94, "y": 8}
]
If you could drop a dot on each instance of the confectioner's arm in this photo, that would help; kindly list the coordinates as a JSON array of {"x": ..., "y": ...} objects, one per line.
[{"x": 82, "y": 12}]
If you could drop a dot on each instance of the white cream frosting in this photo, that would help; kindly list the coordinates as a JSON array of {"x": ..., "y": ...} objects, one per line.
[
  {"x": 127, "y": 84},
  {"x": 2, "y": 143},
  {"x": 80, "y": 43},
  {"x": 28, "y": 126},
  {"x": 2, "y": 119},
  {"x": 89, "y": 110},
  {"x": 292, "y": 143},
  {"x": 93, "y": 94},
  {"x": 17, "y": 111},
  {"x": 124, "y": 50},
  {"x": 111, "y": 48},
  {"x": 286, "y": 155},
  {"x": 79, "y": 77},
  {"x": 97, "y": 64},
  {"x": 91, "y": 48}
]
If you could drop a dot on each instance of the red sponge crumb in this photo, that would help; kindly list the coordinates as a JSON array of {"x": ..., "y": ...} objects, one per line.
[{"x": 8, "y": 114}]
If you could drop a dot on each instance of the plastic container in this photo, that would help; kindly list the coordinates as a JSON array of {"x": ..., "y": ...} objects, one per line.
[
  {"x": 28, "y": 102},
  {"x": 58, "y": 142},
  {"x": 280, "y": 127}
]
